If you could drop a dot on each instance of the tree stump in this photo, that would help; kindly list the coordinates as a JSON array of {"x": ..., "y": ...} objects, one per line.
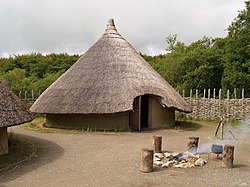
[
  {"x": 156, "y": 143},
  {"x": 146, "y": 161},
  {"x": 193, "y": 144},
  {"x": 228, "y": 156}
]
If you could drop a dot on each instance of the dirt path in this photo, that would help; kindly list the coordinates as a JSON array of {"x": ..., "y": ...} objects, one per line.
[{"x": 112, "y": 160}]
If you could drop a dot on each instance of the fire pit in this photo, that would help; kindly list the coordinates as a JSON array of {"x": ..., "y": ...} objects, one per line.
[{"x": 177, "y": 160}]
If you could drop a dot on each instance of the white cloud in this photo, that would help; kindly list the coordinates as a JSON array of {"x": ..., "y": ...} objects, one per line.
[{"x": 74, "y": 25}]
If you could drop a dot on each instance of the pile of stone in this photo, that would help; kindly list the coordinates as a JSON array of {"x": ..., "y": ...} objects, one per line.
[{"x": 178, "y": 160}]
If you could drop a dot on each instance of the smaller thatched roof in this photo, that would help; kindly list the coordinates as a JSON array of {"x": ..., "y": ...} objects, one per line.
[{"x": 12, "y": 110}]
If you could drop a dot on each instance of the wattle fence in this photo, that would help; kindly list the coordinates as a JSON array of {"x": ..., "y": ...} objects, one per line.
[
  {"x": 207, "y": 106},
  {"x": 212, "y": 107}
]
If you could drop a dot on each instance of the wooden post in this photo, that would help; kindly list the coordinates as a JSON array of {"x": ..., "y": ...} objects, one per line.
[
  {"x": 222, "y": 130},
  {"x": 32, "y": 95},
  {"x": 204, "y": 93},
  {"x": 242, "y": 94},
  {"x": 3, "y": 141},
  {"x": 220, "y": 125},
  {"x": 139, "y": 120},
  {"x": 196, "y": 93},
  {"x": 183, "y": 93},
  {"x": 25, "y": 95},
  {"x": 208, "y": 94},
  {"x": 191, "y": 93},
  {"x": 219, "y": 93},
  {"x": 156, "y": 143},
  {"x": 235, "y": 93},
  {"x": 228, "y": 95},
  {"x": 193, "y": 144},
  {"x": 217, "y": 129},
  {"x": 146, "y": 161},
  {"x": 228, "y": 156},
  {"x": 214, "y": 94}
]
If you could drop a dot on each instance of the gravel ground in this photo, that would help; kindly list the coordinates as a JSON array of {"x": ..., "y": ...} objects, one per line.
[{"x": 94, "y": 159}]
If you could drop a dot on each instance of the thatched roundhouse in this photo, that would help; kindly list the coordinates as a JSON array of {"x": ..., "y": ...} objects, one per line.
[
  {"x": 110, "y": 87},
  {"x": 12, "y": 112}
]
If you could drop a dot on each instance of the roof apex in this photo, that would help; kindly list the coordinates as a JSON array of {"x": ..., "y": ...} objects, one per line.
[{"x": 111, "y": 24}]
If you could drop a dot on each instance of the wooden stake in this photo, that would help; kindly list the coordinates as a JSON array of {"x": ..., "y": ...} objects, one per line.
[
  {"x": 232, "y": 134},
  {"x": 193, "y": 144},
  {"x": 156, "y": 143},
  {"x": 222, "y": 130},
  {"x": 146, "y": 161},
  {"x": 216, "y": 132},
  {"x": 228, "y": 156},
  {"x": 221, "y": 124}
]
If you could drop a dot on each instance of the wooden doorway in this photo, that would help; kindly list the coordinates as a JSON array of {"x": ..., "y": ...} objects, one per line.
[
  {"x": 144, "y": 112},
  {"x": 139, "y": 116}
]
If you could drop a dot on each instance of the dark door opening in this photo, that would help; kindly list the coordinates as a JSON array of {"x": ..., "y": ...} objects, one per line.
[{"x": 144, "y": 111}]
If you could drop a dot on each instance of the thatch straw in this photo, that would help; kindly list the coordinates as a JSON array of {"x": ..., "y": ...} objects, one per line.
[
  {"x": 107, "y": 79},
  {"x": 12, "y": 110}
]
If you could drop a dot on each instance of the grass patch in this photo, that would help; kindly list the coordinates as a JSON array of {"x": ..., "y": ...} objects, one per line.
[
  {"x": 181, "y": 116},
  {"x": 121, "y": 130},
  {"x": 38, "y": 124},
  {"x": 20, "y": 150},
  {"x": 233, "y": 122},
  {"x": 206, "y": 120},
  {"x": 187, "y": 125}
]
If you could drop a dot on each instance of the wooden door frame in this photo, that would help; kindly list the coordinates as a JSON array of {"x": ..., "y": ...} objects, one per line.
[
  {"x": 139, "y": 121},
  {"x": 134, "y": 115}
]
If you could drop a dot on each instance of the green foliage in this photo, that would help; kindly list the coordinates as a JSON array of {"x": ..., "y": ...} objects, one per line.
[
  {"x": 234, "y": 122},
  {"x": 191, "y": 67},
  {"x": 209, "y": 63},
  {"x": 34, "y": 71},
  {"x": 181, "y": 116},
  {"x": 237, "y": 52}
]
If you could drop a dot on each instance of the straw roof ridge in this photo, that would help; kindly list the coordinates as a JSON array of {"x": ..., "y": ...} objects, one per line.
[
  {"x": 12, "y": 110},
  {"x": 106, "y": 79}
]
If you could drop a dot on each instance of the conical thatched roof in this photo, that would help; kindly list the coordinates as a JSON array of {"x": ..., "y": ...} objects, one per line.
[
  {"x": 12, "y": 110},
  {"x": 106, "y": 79}
]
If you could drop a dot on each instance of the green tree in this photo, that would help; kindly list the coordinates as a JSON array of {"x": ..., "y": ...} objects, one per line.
[
  {"x": 34, "y": 71},
  {"x": 14, "y": 79},
  {"x": 237, "y": 53}
]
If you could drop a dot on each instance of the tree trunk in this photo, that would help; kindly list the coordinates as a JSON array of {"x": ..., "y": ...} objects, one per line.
[
  {"x": 146, "y": 162},
  {"x": 156, "y": 143},
  {"x": 3, "y": 141},
  {"x": 193, "y": 144},
  {"x": 228, "y": 156}
]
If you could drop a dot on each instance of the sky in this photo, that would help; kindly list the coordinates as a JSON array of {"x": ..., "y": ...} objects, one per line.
[{"x": 72, "y": 26}]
